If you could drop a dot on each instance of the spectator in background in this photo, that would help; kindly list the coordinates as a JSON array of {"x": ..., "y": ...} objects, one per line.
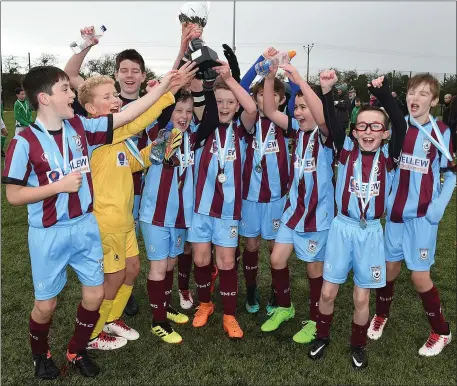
[
  {"x": 342, "y": 105},
  {"x": 352, "y": 97},
  {"x": 374, "y": 101},
  {"x": 447, "y": 108},
  {"x": 4, "y": 131},
  {"x": 354, "y": 112},
  {"x": 22, "y": 111}
]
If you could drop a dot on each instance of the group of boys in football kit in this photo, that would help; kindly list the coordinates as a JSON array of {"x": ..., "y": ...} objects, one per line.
[{"x": 92, "y": 185}]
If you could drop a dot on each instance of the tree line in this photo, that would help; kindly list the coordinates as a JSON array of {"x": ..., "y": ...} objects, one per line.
[{"x": 12, "y": 71}]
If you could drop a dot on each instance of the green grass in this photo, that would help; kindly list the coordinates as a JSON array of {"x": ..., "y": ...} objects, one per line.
[{"x": 206, "y": 355}]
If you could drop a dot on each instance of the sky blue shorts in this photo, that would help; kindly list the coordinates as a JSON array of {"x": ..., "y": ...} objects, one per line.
[
  {"x": 414, "y": 241},
  {"x": 351, "y": 247},
  {"x": 53, "y": 249},
  {"x": 261, "y": 218},
  {"x": 205, "y": 229},
  {"x": 162, "y": 242},
  {"x": 309, "y": 246}
]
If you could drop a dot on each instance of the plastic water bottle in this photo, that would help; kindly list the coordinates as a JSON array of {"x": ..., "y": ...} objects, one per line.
[
  {"x": 158, "y": 151},
  {"x": 263, "y": 68},
  {"x": 81, "y": 44}
]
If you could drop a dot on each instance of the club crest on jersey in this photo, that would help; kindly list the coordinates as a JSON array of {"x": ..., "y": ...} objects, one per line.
[
  {"x": 376, "y": 168},
  {"x": 102, "y": 266},
  {"x": 312, "y": 246},
  {"x": 116, "y": 257},
  {"x": 276, "y": 223},
  {"x": 233, "y": 231},
  {"x": 45, "y": 157},
  {"x": 376, "y": 273},
  {"x": 122, "y": 159},
  {"x": 77, "y": 139},
  {"x": 423, "y": 253},
  {"x": 426, "y": 144},
  {"x": 178, "y": 241},
  {"x": 54, "y": 175}
]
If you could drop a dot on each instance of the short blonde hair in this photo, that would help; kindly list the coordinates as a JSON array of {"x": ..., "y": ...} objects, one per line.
[{"x": 85, "y": 91}]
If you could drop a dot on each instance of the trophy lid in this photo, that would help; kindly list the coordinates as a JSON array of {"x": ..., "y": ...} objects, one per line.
[{"x": 195, "y": 13}]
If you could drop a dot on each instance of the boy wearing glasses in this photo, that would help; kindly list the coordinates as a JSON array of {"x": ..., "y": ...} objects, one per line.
[{"x": 355, "y": 239}]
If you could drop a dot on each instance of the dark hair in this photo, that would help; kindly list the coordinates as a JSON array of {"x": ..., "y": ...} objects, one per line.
[
  {"x": 357, "y": 100},
  {"x": 132, "y": 55},
  {"x": 278, "y": 88},
  {"x": 183, "y": 95},
  {"x": 18, "y": 90},
  {"x": 41, "y": 79},
  {"x": 374, "y": 108},
  {"x": 426, "y": 78}
]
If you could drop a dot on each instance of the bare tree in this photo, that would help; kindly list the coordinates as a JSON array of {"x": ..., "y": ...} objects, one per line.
[
  {"x": 11, "y": 65},
  {"x": 45, "y": 59}
]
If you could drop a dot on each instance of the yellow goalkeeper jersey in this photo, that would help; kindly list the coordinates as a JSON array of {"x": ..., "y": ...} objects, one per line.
[{"x": 111, "y": 168}]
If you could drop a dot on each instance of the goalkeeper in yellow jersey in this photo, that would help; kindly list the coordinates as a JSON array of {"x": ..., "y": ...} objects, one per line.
[{"x": 112, "y": 168}]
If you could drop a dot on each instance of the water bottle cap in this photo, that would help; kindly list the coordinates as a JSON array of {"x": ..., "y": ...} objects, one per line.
[
  {"x": 169, "y": 126},
  {"x": 73, "y": 44},
  {"x": 103, "y": 28}
]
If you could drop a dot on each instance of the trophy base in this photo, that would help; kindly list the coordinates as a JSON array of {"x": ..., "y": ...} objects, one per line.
[{"x": 205, "y": 58}]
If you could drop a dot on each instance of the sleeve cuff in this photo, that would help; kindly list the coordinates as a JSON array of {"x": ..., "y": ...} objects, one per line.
[
  {"x": 13, "y": 181},
  {"x": 109, "y": 130}
]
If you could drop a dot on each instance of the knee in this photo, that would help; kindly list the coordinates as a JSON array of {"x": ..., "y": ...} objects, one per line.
[
  {"x": 361, "y": 301},
  {"x": 133, "y": 267},
  {"x": 327, "y": 297},
  {"x": 226, "y": 263},
  {"x": 422, "y": 281},
  {"x": 93, "y": 296},
  {"x": 46, "y": 307},
  {"x": 252, "y": 244},
  {"x": 392, "y": 270},
  {"x": 278, "y": 261}
]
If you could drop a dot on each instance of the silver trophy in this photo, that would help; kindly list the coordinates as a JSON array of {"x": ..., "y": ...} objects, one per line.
[{"x": 197, "y": 13}]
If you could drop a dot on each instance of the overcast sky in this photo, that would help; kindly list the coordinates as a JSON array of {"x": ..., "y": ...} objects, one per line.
[{"x": 406, "y": 36}]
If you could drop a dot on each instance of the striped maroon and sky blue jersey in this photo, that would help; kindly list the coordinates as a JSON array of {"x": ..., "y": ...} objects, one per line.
[
  {"x": 348, "y": 190},
  {"x": 32, "y": 160},
  {"x": 417, "y": 180},
  {"x": 167, "y": 198},
  {"x": 212, "y": 198},
  {"x": 310, "y": 205},
  {"x": 271, "y": 183}
]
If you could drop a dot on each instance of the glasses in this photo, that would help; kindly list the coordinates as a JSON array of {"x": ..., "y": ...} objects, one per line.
[{"x": 374, "y": 126}]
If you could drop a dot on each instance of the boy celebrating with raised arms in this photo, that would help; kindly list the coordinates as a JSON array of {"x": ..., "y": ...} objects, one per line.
[
  {"x": 165, "y": 213},
  {"x": 47, "y": 168},
  {"x": 355, "y": 239},
  {"x": 218, "y": 198},
  {"x": 309, "y": 209},
  {"x": 130, "y": 73},
  {"x": 265, "y": 178},
  {"x": 415, "y": 207}
]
